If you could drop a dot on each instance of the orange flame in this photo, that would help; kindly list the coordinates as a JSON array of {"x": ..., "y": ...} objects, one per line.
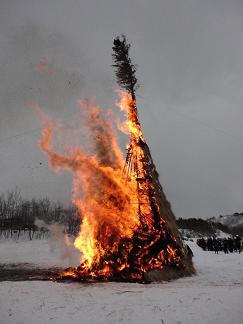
[
  {"x": 131, "y": 125},
  {"x": 118, "y": 233},
  {"x": 102, "y": 196}
]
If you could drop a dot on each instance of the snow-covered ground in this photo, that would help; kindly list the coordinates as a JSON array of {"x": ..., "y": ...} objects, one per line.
[
  {"x": 44, "y": 253},
  {"x": 214, "y": 295}
]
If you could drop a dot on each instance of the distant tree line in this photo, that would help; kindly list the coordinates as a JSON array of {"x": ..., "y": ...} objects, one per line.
[
  {"x": 19, "y": 215},
  {"x": 207, "y": 227}
]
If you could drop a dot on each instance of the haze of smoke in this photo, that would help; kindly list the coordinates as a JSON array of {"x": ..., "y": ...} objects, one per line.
[{"x": 60, "y": 242}]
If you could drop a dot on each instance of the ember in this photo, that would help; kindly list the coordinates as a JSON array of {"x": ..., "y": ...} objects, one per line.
[{"x": 128, "y": 228}]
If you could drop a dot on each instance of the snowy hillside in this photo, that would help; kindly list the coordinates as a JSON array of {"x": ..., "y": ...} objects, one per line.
[
  {"x": 235, "y": 219},
  {"x": 212, "y": 296}
]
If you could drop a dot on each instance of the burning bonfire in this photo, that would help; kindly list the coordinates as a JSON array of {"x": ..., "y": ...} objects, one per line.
[{"x": 128, "y": 230}]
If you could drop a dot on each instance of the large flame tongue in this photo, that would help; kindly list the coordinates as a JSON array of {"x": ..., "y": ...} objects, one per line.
[{"x": 122, "y": 235}]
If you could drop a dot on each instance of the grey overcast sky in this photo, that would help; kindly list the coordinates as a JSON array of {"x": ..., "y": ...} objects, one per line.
[{"x": 190, "y": 58}]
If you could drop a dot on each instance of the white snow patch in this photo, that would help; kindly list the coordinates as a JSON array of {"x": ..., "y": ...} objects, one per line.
[{"x": 43, "y": 253}]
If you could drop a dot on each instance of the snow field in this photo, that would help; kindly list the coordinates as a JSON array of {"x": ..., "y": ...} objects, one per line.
[{"x": 214, "y": 295}]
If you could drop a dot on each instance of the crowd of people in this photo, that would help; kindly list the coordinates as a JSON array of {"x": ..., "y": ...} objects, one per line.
[{"x": 227, "y": 245}]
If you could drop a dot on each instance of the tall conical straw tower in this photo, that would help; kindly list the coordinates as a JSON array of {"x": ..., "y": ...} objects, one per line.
[
  {"x": 128, "y": 231},
  {"x": 159, "y": 231}
]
